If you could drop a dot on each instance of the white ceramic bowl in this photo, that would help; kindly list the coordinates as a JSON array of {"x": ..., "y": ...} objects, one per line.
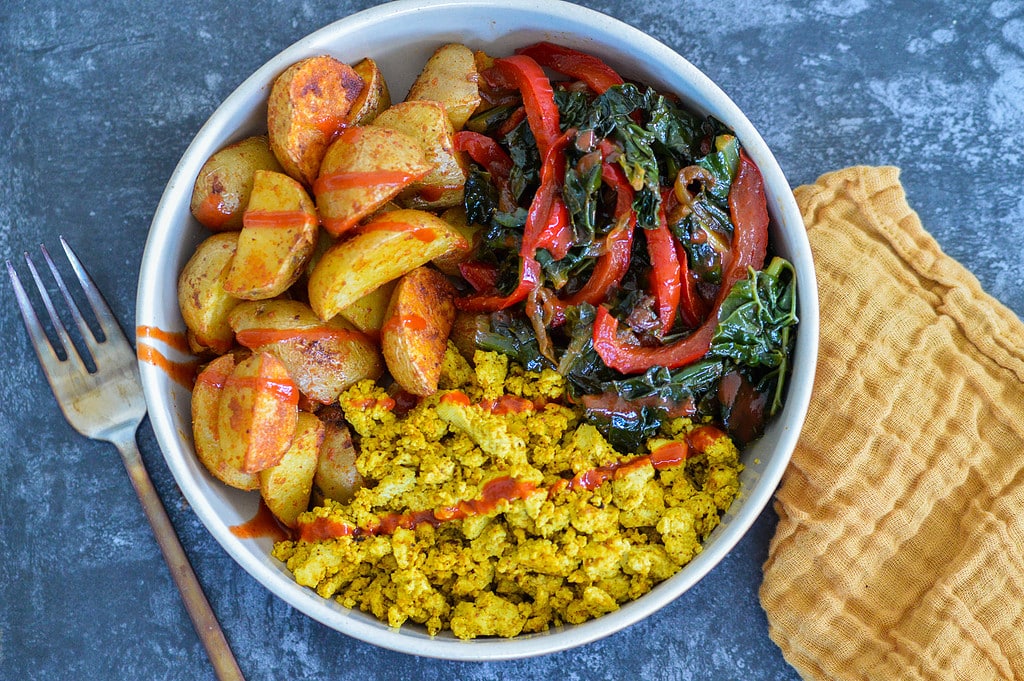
[{"x": 400, "y": 36}]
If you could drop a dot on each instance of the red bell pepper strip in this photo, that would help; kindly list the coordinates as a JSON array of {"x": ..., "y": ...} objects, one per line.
[
  {"x": 524, "y": 74},
  {"x": 578, "y": 65},
  {"x": 665, "y": 272},
  {"x": 529, "y": 278},
  {"x": 557, "y": 235},
  {"x": 612, "y": 264},
  {"x": 749, "y": 211},
  {"x": 510, "y": 124},
  {"x": 495, "y": 160},
  {"x": 484, "y": 151},
  {"x": 749, "y": 214},
  {"x": 691, "y": 306},
  {"x": 543, "y": 206},
  {"x": 481, "y": 276}
]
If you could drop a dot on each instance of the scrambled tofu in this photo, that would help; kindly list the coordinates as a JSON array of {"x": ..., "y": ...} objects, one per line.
[{"x": 491, "y": 510}]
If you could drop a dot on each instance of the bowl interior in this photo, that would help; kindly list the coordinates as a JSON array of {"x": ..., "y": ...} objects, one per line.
[{"x": 400, "y": 36}]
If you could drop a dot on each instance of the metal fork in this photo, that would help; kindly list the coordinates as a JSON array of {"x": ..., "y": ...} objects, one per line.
[{"x": 108, "y": 404}]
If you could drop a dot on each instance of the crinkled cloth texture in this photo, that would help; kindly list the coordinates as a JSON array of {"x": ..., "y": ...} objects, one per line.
[{"x": 899, "y": 552}]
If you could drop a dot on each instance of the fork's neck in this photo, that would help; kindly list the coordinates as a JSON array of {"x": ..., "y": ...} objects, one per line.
[{"x": 198, "y": 607}]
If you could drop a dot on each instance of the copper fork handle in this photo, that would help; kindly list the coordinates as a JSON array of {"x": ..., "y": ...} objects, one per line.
[{"x": 198, "y": 607}]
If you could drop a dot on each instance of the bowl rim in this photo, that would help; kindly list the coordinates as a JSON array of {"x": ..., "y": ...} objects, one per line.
[{"x": 587, "y": 23}]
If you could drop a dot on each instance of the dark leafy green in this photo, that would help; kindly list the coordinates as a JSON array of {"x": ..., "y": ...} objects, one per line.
[
  {"x": 522, "y": 148},
  {"x": 573, "y": 108},
  {"x": 581, "y": 194},
  {"x": 657, "y": 138},
  {"x": 652, "y": 139},
  {"x": 579, "y": 363},
  {"x": 627, "y": 431},
  {"x": 706, "y": 232},
  {"x": 755, "y": 326},
  {"x": 512, "y": 335},
  {"x": 693, "y": 381},
  {"x": 480, "y": 197},
  {"x": 722, "y": 164}
]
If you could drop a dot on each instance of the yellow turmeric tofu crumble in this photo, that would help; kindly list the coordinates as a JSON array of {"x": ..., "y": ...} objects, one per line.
[{"x": 490, "y": 509}]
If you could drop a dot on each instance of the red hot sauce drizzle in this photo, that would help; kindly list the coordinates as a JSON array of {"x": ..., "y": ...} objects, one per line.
[
  {"x": 263, "y": 524},
  {"x": 413, "y": 322},
  {"x": 213, "y": 211},
  {"x": 181, "y": 372},
  {"x": 257, "y": 338},
  {"x": 424, "y": 234},
  {"x": 280, "y": 219},
  {"x": 360, "y": 179}
]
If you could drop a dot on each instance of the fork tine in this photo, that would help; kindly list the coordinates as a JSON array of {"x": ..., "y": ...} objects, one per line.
[
  {"x": 40, "y": 342},
  {"x": 62, "y": 333},
  {"x": 107, "y": 321},
  {"x": 83, "y": 328}
]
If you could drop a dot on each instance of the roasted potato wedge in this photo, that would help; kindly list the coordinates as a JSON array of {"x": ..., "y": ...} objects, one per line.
[
  {"x": 202, "y": 299},
  {"x": 466, "y": 328},
  {"x": 336, "y": 474},
  {"x": 323, "y": 242},
  {"x": 278, "y": 238},
  {"x": 449, "y": 262},
  {"x": 222, "y": 188},
  {"x": 309, "y": 103},
  {"x": 286, "y": 487},
  {"x": 375, "y": 96},
  {"x": 367, "y": 313},
  {"x": 205, "y": 400},
  {"x": 427, "y": 123},
  {"x": 416, "y": 327},
  {"x": 363, "y": 169},
  {"x": 323, "y": 358},
  {"x": 257, "y": 412},
  {"x": 451, "y": 78},
  {"x": 383, "y": 250}
]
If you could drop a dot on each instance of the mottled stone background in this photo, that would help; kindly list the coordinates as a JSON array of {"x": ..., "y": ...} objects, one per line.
[{"x": 99, "y": 98}]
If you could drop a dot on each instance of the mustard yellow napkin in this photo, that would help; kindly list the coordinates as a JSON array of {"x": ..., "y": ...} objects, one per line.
[{"x": 899, "y": 552}]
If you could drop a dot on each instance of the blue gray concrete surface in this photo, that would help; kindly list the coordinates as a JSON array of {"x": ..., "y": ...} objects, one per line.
[{"x": 99, "y": 98}]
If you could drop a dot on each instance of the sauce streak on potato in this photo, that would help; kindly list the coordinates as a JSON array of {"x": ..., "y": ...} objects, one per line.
[
  {"x": 256, "y": 338},
  {"x": 411, "y": 321},
  {"x": 367, "y": 178},
  {"x": 424, "y": 234},
  {"x": 278, "y": 218},
  {"x": 213, "y": 212}
]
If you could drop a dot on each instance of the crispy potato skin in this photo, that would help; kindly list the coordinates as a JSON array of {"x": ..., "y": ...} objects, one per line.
[
  {"x": 450, "y": 261},
  {"x": 323, "y": 358},
  {"x": 205, "y": 433},
  {"x": 309, "y": 103},
  {"x": 382, "y": 250},
  {"x": 336, "y": 474},
  {"x": 375, "y": 96},
  {"x": 450, "y": 77},
  {"x": 428, "y": 123},
  {"x": 278, "y": 238},
  {"x": 367, "y": 313},
  {"x": 257, "y": 412},
  {"x": 416, "y": 327},
  {"x": 222, "y": 188},
  {"x": 364, "y": 168},
  {"x": 286, "y": 487},
  {"x": 202, "y": 299}
]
